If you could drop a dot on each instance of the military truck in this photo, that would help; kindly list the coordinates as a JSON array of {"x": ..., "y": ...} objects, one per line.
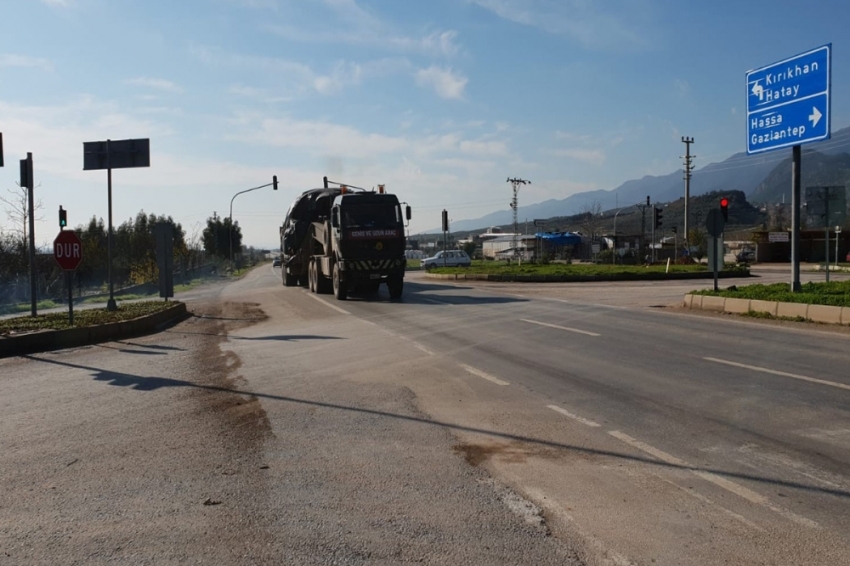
[{"x": 344, "y": 239}]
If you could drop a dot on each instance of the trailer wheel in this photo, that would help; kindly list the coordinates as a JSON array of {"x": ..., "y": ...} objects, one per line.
[
  {"x": 396, "y": 286},
  {"x": 311, "y": 276},
  {"x": 340, "y": 290}
]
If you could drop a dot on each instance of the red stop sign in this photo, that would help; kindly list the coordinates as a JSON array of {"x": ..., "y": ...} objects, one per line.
[{"x": 68, "y": 250}]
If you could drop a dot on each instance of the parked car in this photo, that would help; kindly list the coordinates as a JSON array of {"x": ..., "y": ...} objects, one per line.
[
  {"x": 745, "y": 256},
  {"x": 276, "y": 262},
  {"x": 450, "y": 258}
]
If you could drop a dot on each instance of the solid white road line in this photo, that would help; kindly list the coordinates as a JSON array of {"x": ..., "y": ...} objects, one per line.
[
  {"x": 566, "y": 413},
  {"x": 484, "y": 375},
  {"x": 780, "y": 373},
  {"x": 327, "y": 304},
  {"x": 576, "y": 330},
  {"x": 715, "y": 479}
]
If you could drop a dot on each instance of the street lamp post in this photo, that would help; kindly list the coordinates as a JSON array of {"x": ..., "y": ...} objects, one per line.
[
  {"x": 614, "y": 247},
  {"x": 230, "y": 226}
]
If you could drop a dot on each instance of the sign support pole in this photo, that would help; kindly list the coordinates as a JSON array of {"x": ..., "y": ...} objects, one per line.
[
  {"x": 70, "y": 299},
  {"x": 795, "y": 219},
  {"x": 31, "y": 214},
  {"x": 110, "y": 304}
]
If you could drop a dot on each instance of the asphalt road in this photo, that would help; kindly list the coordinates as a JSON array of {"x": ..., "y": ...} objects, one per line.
[{"x": 466, "y": 424}]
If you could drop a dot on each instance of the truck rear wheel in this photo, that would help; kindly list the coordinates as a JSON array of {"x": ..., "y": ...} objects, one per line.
[
  {"x": 396, "y": 286},
  {"x": 340, "y": 289},
  {"x": 311, "y": 276}
]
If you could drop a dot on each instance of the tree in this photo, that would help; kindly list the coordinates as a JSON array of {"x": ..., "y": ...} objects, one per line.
[
  {"x": 216, "y": 234},
  {"x": 591, "y": 219},
  {"x": 697, "y": 239},
  {"x": 17, "y": 210}
]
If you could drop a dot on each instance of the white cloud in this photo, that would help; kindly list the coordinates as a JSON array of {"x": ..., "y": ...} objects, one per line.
[
  {"x": 11, "y": 60},
  {"x": 156, "y": 84},
  {"x": 344, "y": 74},
  {"x": 591, "y": 156},
  {"x": 445, "y": 82},
  {"x": 591, "y": 24}
]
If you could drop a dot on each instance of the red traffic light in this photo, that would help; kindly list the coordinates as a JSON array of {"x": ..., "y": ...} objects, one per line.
[{"x": 724, "y": 208}]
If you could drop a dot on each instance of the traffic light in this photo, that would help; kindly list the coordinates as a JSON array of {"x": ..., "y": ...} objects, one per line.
[
  {"x": 1, "y": 149},
  {"x": 445, "y": 220},
  {"x": 647, "y": 200},
  {"x": 657, "y": 213},
  {"x": 63, "y": 217},
  {"x": 274, "y": 182},
  {"x": 724, "y": 208},
  {"x": 675, "y": 229}
]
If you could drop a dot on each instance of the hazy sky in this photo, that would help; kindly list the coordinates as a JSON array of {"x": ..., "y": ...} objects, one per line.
[{"x": 441, "y": 100}]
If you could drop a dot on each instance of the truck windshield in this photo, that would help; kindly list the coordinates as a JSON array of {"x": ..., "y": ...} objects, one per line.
[{"x": 371, "y": 216}]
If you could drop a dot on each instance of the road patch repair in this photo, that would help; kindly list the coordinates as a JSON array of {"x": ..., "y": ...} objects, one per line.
[{"x": 44, "y": 340}]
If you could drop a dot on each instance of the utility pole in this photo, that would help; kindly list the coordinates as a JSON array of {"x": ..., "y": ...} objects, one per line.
[
  {"x": 689, "y": 166},
  {"x": 515, "y": 183}
]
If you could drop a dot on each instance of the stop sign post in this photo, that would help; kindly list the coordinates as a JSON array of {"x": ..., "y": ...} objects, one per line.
[{"x": 68, "y": 253}]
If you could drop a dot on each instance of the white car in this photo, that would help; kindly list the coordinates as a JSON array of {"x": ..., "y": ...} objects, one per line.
[{"x": 451, "y": 258}]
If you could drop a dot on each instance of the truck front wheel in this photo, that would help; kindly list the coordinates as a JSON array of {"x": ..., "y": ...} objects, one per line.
[
  {"x": 340, "y": 290},
  {"x": 289, "y": 279},
  {"x": 396, "y": 286}
]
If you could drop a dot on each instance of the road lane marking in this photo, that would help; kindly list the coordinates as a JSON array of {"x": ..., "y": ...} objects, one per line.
[
  {"x": 327, "y": 304},
  {"x": 576, "y": 330},
  {"x": 715, "y": 479},
  {"x": 704, "y": 499},
  {"x": 423, "y": 348},
  {"x": 435, "y": 302},
  {"x": 780, "y": 373},
  {"x": 566, "y": 413},
  {"x": 484, "y": 375}
]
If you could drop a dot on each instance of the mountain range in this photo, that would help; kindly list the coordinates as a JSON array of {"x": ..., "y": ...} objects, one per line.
[{"x": 762, "y": 178}]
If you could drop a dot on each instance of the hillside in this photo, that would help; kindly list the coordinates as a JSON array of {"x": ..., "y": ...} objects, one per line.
[
  {"x": 818, "y": 169},
  {"x": 759, "y": 177}
]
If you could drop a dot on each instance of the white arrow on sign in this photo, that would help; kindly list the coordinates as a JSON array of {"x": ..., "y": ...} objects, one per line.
[
  {"x": 815, "y": 116},
  {"x": 758, "y": 90}
]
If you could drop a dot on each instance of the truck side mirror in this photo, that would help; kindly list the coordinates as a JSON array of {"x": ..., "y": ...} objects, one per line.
[
  {"x": 407, "y": 212},
  {"x": 335, "y": 218}
]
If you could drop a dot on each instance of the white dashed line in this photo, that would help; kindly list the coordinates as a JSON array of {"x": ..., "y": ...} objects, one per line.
[
  {"x": 715, "y": 479},
  {"x": 566, "y": 413},
  {"x": 780, "y": 373},
  {"x": 327, "y": 304},
  {"x": 423, "y": 348},
  {"x": 484, "y": 375},
  {"x": 576, "y": 330}
]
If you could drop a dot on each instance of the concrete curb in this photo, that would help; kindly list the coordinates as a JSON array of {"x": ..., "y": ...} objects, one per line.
[
  {"x": 83, "y": 336},
  {"x": 579, "y": 278},
  {"x": 815, "y": 313}
]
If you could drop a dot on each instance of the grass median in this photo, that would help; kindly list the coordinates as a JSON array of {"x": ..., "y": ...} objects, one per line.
[
  {"x": 578, "y": 270},
  {"x": 835, "y": 294},
  {"x": 83, "y": 317}
]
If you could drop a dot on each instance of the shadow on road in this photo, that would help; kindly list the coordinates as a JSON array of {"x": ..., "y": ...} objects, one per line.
[{"x": 140, "y": 383}]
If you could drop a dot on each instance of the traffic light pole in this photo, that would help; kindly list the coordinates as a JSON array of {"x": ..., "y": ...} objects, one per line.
[{"x": 230, "y": 227}]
